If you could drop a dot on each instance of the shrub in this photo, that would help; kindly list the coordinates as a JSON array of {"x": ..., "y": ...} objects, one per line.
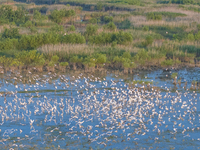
[
  {"x": 72, "y": 28},
  {"x": 63, "y": 64},
  {"x": 148, "y": 41},
  {"x": 142, "y": 56},
  {"x": 198, "y": 27},
  {"x": 90, "y": 30},
  {"x": 54, "y": 58},
  {"x": 126, "y": 24},
  {"x": 57, "y": 28},
  {"x": 154, "y": 16},
  {"x": 30, "y": 58},
  {"x": 145, "y": 28},
  {"x": 191, "y": 37},
  {"x": 167, "y": 63},
  {"x": 93, "y": 21},
  {"x": 37, "y": 15},
  {"x": 110, "y": 26},
  {"x": 106, "y": 38},
  {"x": 11, "y": 33},
  {"x": 73, "y": 38},
  {"x": 99, "y": 6},
  {"x": 108, "y": 19},
  {"x": 33, "y": 29},
  {"x": 28, "y": 24},
  {"x": 101, "y": 59},
  {"x": 57, "y": 15}
]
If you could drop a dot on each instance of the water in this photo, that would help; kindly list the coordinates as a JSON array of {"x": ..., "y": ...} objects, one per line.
[{"x": 83, "y": 111}]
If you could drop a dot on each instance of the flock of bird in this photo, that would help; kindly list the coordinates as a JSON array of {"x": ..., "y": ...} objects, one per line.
[{"x": 82, "y": 112}]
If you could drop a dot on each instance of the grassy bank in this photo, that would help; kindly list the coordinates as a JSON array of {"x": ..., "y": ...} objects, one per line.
[{"x": 59, "y": 37}]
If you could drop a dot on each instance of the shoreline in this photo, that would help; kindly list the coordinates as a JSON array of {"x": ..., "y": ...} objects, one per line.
[{"x": 107, "y": 68}]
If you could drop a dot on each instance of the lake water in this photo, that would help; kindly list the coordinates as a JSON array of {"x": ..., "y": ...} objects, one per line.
[{"x": 84, "y": 111}]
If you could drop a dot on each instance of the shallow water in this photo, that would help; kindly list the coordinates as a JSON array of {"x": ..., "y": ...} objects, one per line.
[{"x": 82, "y": 111}]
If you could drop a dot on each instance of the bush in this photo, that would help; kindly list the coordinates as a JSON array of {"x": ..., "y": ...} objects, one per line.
[
  {"x": 91, "y": 30},
  {"x": 72, "y": 28},
  {"x": 182, "y": 1},
  {"x": 142, "y": 56},
  {"x": 145, "y": 28},
  {"x": 108, "y": 19},
  {"x": 148, "y": 41},
  {"x": 57, "y": 15},
  {"x": 154, "y": 16},
  {"x": 126, "y": 24},
  {"x": 57, "y": 28},
  {"x": 167, "y": 63},
  {"x": 73, "y": 38},
  {"x": 11, "y": 33},
  {"x": 110, "y": 26},
  {"x": 30, "y": 58},
  {"x": 107, "y": 38},
  {"x": 93, "y": 21},
  {"x": 63, "y": 64},
  {"x": 37, "y": 15},
  {"x": 198, "y": 27},
  {"x": 99, "y": 6},
  {"x": 100, "y": 59},
  {"x": 55, "y": 59},
  {"x": 191, "y": 37}
]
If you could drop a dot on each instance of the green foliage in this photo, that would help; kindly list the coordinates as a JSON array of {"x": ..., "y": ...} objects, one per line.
[
  {"x": 99, "y": 6},
  {"x": 72, "y": 28},
  {"x": 197, "y": 36},
  {"x": 167, "y": 63},
  {"x": 63, "y": 64},
  {"x": 148, "y": 41},
  {"x": 11, "y": 33},
  {"x": 191, "y": 37},
  {"x": 108, "y": 19},
  {"x": 57, "y": 15},
  {"x": 110, "y": 26},
  {"x": 182, "y": 1},
  {"x": 16, "y": 63},
  {"x": 142, "y": 56},
  {"x": 198, "y": 27},
  {"x": 153, "y": 16},
  {"x": 9, "y": 44},
  {"x": 75, "y": 59},
  {"x": 28, "y": 24},
  {"x": 145, "y": 28},
  {"x": 8, "y": 15},
  {"x": 73, "y": 38},
  {"x": 91, "y": 30},
  {"x": 126, "y": 55},
  {"x": 101, "y": 59},
  {"x": 57, "y": 28},
  {"x": 126, "y": 24},
  {"x": 33, "y": 29},
  {"x": 36, "y": 15},
  {"x": 107, "y": 38},
  {"x": 174, "y": 75},
  {"x": 55, "y": 59},
  {"x": 93, "y": 21},
  {"x": 30, "y": 58},
  {"x": 127, "y": 2}
]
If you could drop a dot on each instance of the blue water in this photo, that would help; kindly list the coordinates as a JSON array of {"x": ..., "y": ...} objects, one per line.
[{"x": 82, "y": 111}]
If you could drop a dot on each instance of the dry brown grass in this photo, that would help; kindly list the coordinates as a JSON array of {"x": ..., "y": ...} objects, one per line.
[
  {"x": 67, "y": 49},
  {"x": 177, "y": 22},
  {"x": 64, "y": 49}
]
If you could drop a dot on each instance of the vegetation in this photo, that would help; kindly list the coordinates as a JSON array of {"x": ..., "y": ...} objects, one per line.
[{"x": 115, "y": 34}]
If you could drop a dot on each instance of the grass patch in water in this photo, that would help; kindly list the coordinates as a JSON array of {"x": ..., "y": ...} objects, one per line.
[{"x": 142, "y": 82}]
